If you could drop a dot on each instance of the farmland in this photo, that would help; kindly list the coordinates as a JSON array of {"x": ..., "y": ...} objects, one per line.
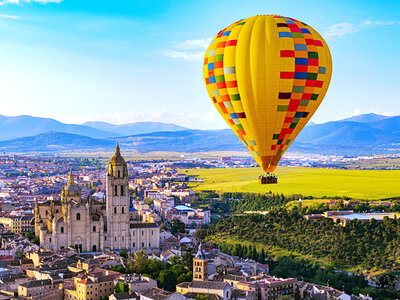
[{"x": 356, "y": 184}]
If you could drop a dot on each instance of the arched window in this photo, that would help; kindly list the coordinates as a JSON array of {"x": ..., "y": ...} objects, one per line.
[
  {"x": 123, "y": 210},
  {"x": 115, "y": 210},
  {"x": 119, "y": 174},
  {"x": 94, "y": 228},
  {"x": 116, "y": 190},
  {"x": 62, "y": 229},
  {"x": 78, "y": 216},
  {"x": 94, "y": 248},
  {"x": 122, "y": 190}
]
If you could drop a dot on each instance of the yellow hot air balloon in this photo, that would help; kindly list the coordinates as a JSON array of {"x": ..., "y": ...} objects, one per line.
[{"x": 267, "y": 75}]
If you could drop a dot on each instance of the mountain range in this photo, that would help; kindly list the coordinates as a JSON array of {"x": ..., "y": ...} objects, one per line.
[
  {"x": 369, "y": 133},
  {"x": 23, "y": 126}
]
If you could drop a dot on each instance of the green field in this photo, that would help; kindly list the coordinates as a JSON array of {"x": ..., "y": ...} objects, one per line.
[{"x": 356, "y": 184}]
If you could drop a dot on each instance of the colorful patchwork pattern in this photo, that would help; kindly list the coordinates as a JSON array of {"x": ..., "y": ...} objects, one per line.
[
  {"x": 267, "y": 114},
  {"x": 225, "y": 90},
  {"x": 307, "y": 75}
]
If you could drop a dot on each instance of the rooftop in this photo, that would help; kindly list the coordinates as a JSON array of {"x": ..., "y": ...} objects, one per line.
[
  {"x": 210, "y": 285},
  {"x": 184, "y": 207}
]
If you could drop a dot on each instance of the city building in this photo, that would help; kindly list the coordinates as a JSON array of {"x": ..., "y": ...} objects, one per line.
[
  {"x": 95, "y": 285},
  {"x": 90, "y": 225},
  {"x": 36, "y": 288}
]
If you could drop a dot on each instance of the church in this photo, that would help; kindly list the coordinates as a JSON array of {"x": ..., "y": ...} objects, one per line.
[{"x": 91, "y": 225}]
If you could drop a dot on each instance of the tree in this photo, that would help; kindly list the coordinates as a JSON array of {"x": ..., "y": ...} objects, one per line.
[
  {"x": 121, "y": 287},
  {"x": 148, "y": 201},
  {"x": 187, "y": 258},
  {"x": 177, "y": 226},
  {"x": 118, "y": 268},
  {"x": 175, "y": 259},
  {"x": 140, "y": 261},
  {"x": 124, "y": 253},
  {"x": 167, "y": 280},
  {"x": 33, "y": 238}
]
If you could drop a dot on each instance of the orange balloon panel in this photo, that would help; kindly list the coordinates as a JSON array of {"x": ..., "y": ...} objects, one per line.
[{"x": 267, "y": 75}]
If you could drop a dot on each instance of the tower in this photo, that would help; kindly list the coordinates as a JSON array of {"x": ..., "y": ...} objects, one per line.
[
  {"x": 70, "y": 192},
  {"x": 117, "y": 203},
  {"x": 200, "y": 265}
]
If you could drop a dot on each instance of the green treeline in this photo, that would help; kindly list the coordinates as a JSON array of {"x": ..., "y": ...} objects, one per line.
[
  {"x": 368, "y": 245},
  {"x": 227, "y": 203},
  {"x": 256, "y": 201},
  {"x": 359, "y": 245},
  {"x": 244, "y": 251}
]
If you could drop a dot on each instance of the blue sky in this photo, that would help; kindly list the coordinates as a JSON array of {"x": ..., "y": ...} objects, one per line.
[{"x": 128, "y": 61}]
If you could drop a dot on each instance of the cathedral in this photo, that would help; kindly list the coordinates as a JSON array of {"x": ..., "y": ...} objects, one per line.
[{"x": 90, "y": 225}]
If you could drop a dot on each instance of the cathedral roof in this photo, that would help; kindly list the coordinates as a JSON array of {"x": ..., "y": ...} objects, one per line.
[{"x": 117, "y": 158}]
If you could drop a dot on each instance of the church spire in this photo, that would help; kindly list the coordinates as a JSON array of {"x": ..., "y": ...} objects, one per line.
[
  {"x": 117, "y": 150},
  {"x": 117, "y": 158},
  {"x": 71, "y": 180},
  {"x": 200, "y": 252}
]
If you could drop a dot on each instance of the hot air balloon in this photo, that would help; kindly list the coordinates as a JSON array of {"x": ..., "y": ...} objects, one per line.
[{"x": 266, "y": 76}]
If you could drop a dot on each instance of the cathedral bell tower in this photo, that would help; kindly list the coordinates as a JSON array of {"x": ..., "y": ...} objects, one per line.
[
  {"x": 117, "y": 203},
  {"x": 200, "y": 265}
]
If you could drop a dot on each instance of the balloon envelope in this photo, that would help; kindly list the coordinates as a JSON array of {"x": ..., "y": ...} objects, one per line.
[{"x": 267, "y": 75}]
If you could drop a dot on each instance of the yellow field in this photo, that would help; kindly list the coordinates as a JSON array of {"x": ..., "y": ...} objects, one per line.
[{"x": 357, "y": 184}]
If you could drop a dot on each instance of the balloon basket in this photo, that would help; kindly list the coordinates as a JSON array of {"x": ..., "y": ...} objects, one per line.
[{"x": 267, "y": 179}]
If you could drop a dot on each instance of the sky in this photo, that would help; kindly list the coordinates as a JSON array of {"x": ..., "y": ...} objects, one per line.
[{"x": 128, "y": 61}]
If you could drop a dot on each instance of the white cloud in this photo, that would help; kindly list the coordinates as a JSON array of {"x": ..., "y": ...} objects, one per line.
[
  {"x": 378, "y": 23},
  {"x": 9, "y": 17},
  {"x": 29, "y": 1},
  {"x": 190, "y": 50},
  {"x": 193, "y": 44},
  {"x": 341, "y": 29},
  {"x": 209, "y": 120},
  {"x": 338, "y": 30},
  {"x": 190, "y": 56}
]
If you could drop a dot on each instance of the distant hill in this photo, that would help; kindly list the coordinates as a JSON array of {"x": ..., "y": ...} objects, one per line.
[
  {"x": 22, "y": 126},
  {"x": 380, "y": 134},
  {"x": 366, "y": 118},
  {"x": 179, "y": 141},
  {"x": 371, "y": 134},
  {"x": 55, "y": 141},
  {"x": 184, "y": 141},
  {"x": 135, "y": 128}
]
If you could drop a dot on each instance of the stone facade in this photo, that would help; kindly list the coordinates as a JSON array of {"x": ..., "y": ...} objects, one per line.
[{"x": 90, "y": 225}]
